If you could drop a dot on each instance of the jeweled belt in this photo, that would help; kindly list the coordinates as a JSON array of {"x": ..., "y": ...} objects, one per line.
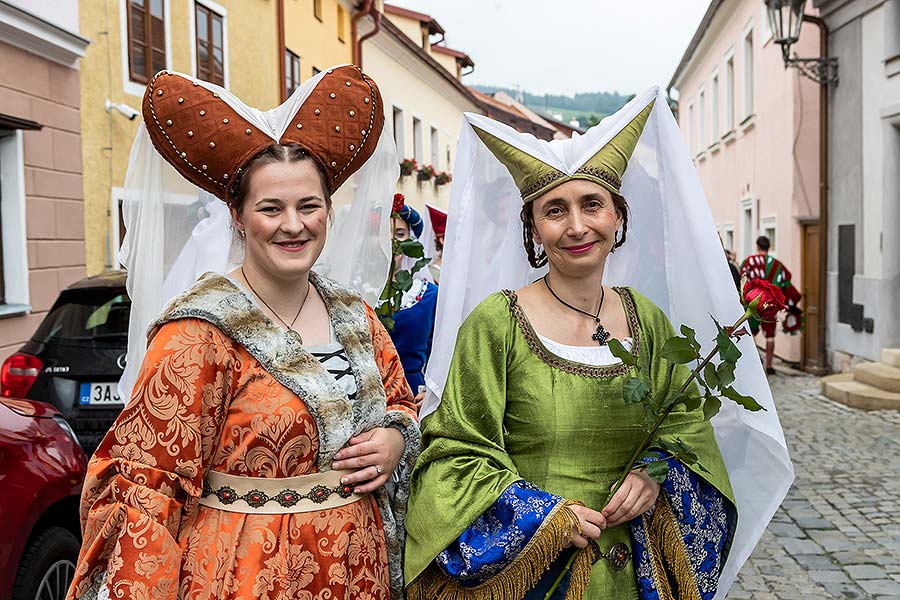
[{"x": 277, "y": 495}]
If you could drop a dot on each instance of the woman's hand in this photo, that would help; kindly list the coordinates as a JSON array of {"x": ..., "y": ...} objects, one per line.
[
  {"x": 590, "y": 524},
  {"x": 637, "y": 495},
  {"x": 374, "y": 455}
]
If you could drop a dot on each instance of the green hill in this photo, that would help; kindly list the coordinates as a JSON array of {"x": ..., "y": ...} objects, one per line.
[{"x": 587, "y": 108}]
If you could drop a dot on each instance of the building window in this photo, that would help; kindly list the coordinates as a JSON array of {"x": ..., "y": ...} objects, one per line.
[
  {"x": 417, "y": 140},
  {"x": 714, "y": 107},
  {"x": 702, "y": 125},
  {"x": 210, "y": 45},
  {"x": 728, "y": 237},
  {"x": 748, "y": 227},
  {"x": 398, "y": 131},
  {"x": 316, "y": 71},
  {"x": 146, "y": 39},
  {"x": 291, "y": 72},
  {"x": 691, "y": 131},
  {"x": 14, "y": 284},
  {"x": 340, "y": 22},
  {"x": 768, "y": 229},
  {"x": 748, "y": 74},
  {"x": 317, "y": 9},
  {"x": 435, "y": 149},
  {"x": 729, "y": 94}
]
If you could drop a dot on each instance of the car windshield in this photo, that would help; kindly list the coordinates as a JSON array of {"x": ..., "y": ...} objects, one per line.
[{"x": 93, "y": 317}]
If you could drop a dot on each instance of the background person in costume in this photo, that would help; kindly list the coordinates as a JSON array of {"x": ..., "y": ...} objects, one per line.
[
  {"x": 266, "y": 448},
  {"x": 517, "y": 425},
  {"x": 414, "y": 322},
  {"x": 433, "y": 239},
  {"x": 541, "y": 350},
  {"x": 769, "y": 268}
]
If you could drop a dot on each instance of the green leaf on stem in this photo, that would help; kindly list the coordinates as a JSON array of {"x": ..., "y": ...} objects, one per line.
[
  {"x": 419, "y": 265},
  {"x": 746, "y": 402},
  {"x": 657, "y": 470},
  {"x": 673, "y": 399},
  {"x": 728, "y": 352},
  {"x": 411, "y": 248},
  {"x": 691, "y": 403},
  {"x": 709, "y": 374},
  {"x": 711, "y": 406},
  {"x": 725, "y": 373},
  {"x": 619, "y": 351},
  {"x": 635, "y": 390},
  {"x": 403, "y": 280},
  {"x": 691, "y": 336},
  {"x": 678, "y": 350}
]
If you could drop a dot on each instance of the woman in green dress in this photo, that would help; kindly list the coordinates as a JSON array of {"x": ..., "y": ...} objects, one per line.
[{"x": 509, "y": 497}]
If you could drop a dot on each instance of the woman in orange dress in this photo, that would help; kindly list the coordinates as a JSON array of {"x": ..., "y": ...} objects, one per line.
[{"x": 266, "y": 448}]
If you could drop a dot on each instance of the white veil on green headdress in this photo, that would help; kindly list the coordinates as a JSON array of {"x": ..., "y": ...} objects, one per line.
[{"x": 673, "y": 256}]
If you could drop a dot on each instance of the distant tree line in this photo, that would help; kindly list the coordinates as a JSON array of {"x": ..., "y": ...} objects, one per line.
[{"x": 593, "y": 105}]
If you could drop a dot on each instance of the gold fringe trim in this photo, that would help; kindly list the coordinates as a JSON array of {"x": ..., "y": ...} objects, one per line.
[
  {"x": 522, "y": 574},
  {"x": 668, "y": 555}
]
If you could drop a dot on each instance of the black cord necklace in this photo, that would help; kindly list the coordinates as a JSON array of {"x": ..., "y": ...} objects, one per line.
[
  {"x": 272, "y": 310},
  {"x": 601, "y": 336}
]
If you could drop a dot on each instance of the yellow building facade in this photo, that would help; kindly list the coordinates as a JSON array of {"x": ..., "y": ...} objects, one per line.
[
  {"x": 243, "y": 32},
  {"x": 318, "y": 33}
]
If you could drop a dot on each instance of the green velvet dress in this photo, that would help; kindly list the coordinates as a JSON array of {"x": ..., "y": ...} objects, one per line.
[{"x": 512, "y": 411}]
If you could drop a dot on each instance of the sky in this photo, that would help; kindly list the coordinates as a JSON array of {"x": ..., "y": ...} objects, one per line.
[{"x": 568, "y": 46}]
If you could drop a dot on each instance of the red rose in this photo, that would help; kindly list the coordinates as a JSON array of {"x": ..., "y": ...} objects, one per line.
[
  {"x": 764, "y": 298},
  {"x": 399, "y": 200}
]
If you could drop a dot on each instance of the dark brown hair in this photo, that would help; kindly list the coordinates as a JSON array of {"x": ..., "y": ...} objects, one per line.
[
  {"x": 276, "y": 153},
  {"x": 536, "y": 259}
]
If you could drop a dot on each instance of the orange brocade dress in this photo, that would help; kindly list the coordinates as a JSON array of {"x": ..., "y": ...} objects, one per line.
[{"x": 203, "y": 401}]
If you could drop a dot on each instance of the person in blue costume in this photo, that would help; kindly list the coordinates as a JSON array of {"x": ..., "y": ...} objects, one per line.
[{"x": 414, "y": 322}]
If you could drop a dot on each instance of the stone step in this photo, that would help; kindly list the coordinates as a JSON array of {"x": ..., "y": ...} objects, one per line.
[
  {"x": 890, "y": 356},
  {"x": 842, "y": 388},
  {"x": 878, "y": 375}
]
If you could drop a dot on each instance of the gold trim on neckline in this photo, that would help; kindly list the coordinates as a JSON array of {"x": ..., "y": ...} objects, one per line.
[{"x": 572, "y": 367}]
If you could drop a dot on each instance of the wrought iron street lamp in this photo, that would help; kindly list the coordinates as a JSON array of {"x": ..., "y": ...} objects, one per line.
[{"x": 785, "y": 19}]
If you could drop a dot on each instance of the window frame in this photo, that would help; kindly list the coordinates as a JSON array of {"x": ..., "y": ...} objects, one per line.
[
  {"x": 399, "y": 140},
  {"x": 148, "y": 33},
  {"x": 213, "y": 11},
  {"x": 435, "y": 148},
  {"x": 317, "y": 10},
  {"x": 747, "y": 43},
  {"x": 714, "y": 106},
  {"x": 341, "y": 25},
  {"x": 290, "y": 73},
  {"x": 418, "y": 141},
  {"x": 729, "y": 92},
  {"x": 13, "y": 230}
]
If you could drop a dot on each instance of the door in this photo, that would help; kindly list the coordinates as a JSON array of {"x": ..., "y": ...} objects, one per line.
[{"x": 812, "y": 351}]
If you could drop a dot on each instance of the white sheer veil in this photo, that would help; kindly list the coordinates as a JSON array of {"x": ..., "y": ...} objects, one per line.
[
  {"x": 175, "y": 231},
  {"x": 672, "y": 255}
]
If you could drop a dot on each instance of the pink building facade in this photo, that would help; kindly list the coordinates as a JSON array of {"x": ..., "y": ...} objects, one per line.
[
  {"x": 753, "y": 130},
  {"x": 41, "y": 207}
]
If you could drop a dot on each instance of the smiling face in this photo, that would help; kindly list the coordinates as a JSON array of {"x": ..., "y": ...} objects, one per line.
[
  {"x": 285, "y": 217},
  {"x": 576, "y": 222}
]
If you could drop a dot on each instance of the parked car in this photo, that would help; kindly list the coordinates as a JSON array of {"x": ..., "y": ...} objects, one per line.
[
  {"x": 42, "y": 468},
  {"x": 75, "y": 358}
]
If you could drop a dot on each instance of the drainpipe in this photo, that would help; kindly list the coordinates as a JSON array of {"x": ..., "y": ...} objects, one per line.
[
  {"x": 368, "y": 8},
  {"x": 282, "y": 75},
  {"x": 821, "y": 357}
]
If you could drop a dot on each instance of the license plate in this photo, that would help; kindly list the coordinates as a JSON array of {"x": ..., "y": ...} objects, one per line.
[{"x": 99, "y": 394}]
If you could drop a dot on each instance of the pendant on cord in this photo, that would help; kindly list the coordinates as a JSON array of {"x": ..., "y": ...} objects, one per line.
[{"x": 601, "y": 336}]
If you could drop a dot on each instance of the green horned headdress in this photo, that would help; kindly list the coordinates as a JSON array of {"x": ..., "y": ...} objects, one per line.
[{"x": 535, "y": 177}]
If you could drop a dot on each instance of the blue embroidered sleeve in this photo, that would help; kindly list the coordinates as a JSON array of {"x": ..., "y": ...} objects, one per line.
[
  {"x": 706, "y": 522},
  {"x": 494, "y": 540}
]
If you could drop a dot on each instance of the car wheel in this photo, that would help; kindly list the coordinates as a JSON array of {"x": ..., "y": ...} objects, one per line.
[{"x": 48, "y": 566}]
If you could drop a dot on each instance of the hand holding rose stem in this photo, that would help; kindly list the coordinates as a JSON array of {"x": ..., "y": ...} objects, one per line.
[{"x": 763, "y": 301}]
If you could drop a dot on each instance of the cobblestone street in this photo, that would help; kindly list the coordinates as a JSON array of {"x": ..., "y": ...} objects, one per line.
[{"x": 837, "y": 535}]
